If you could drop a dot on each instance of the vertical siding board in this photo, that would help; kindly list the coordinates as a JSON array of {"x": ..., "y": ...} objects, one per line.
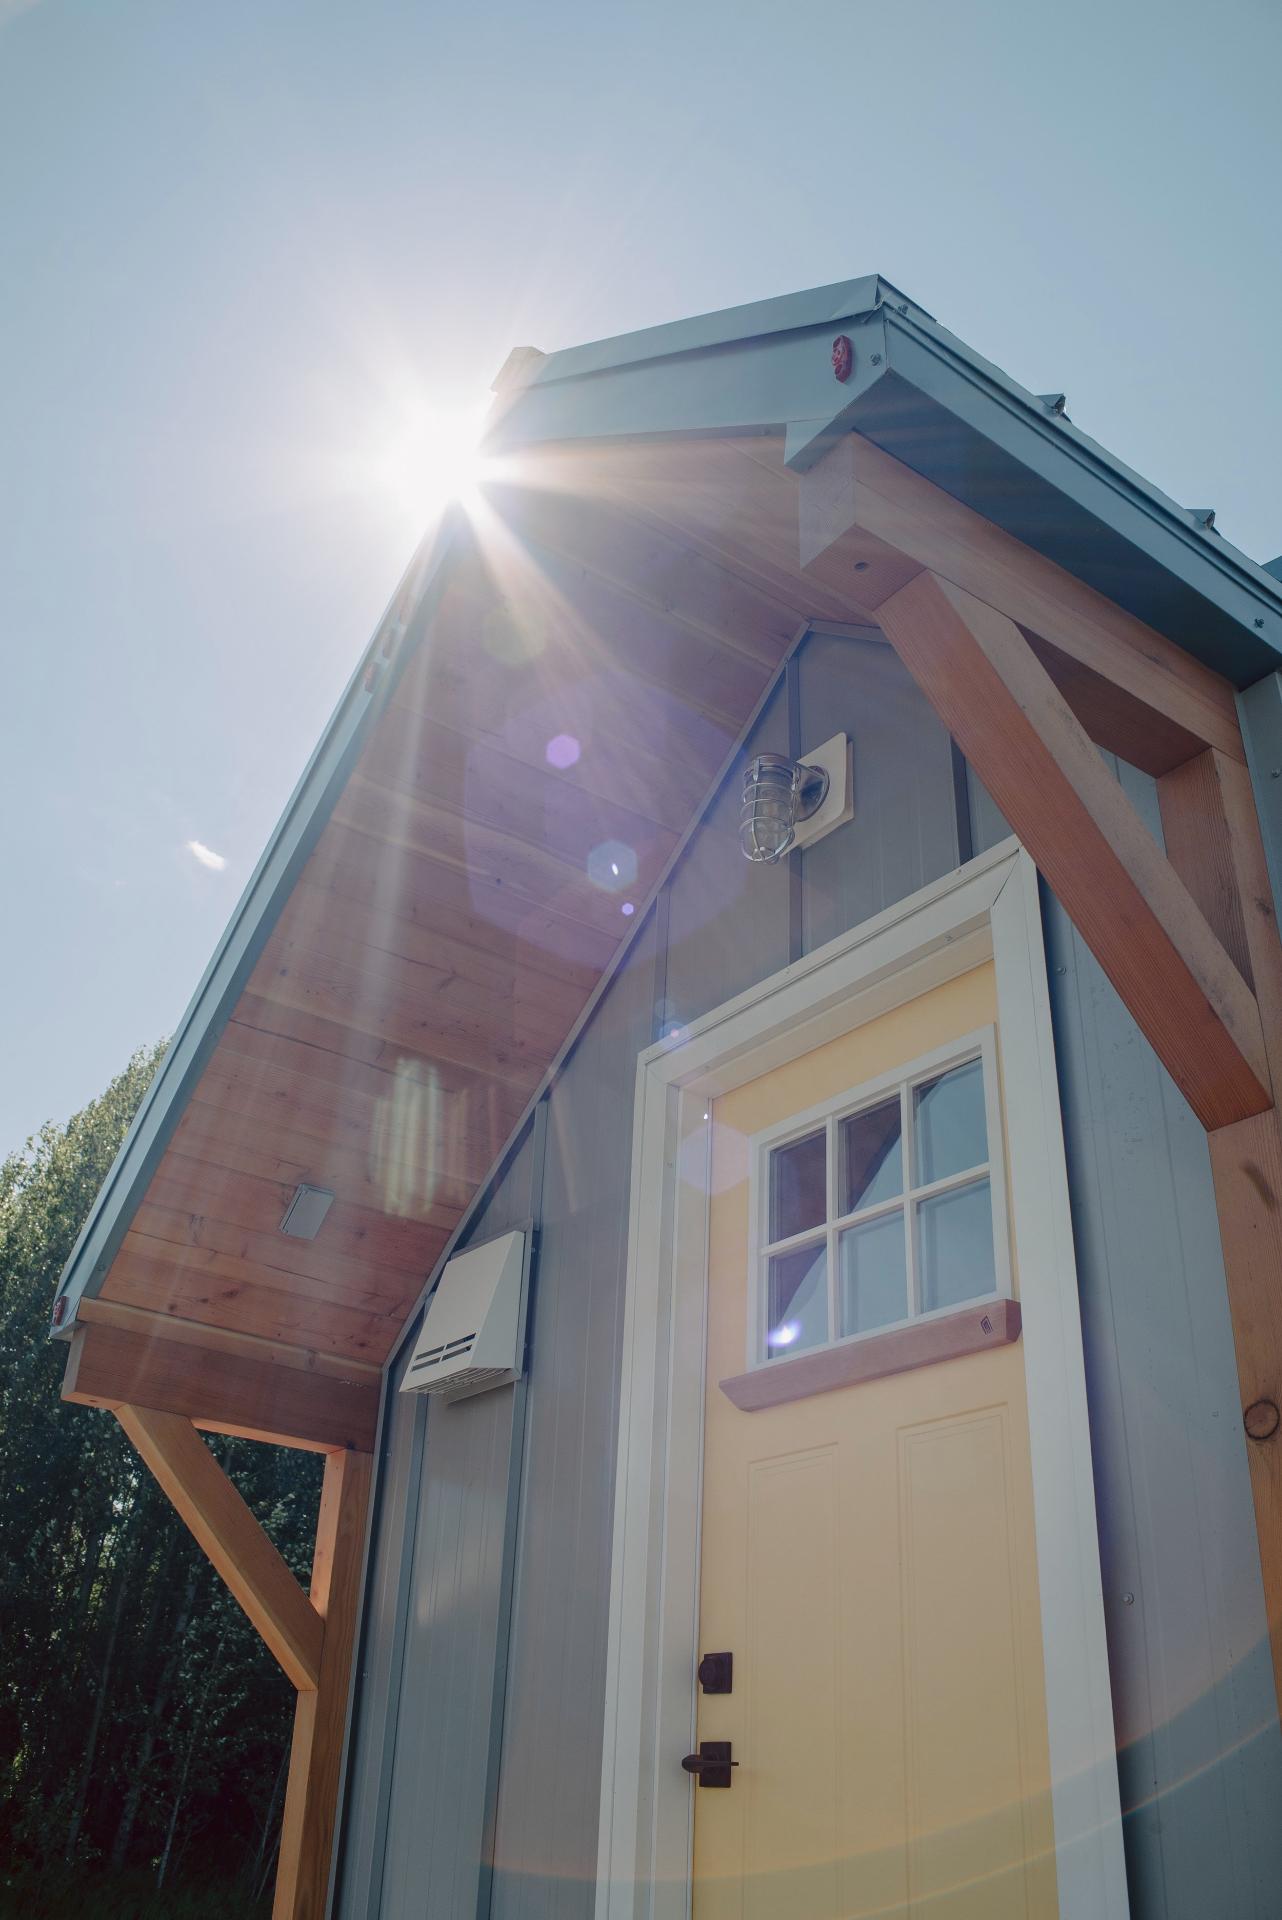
[
  {"x": 904, "y": 832},
  {"x": 512, "y": 1203},
  {"x": 545, "y": 1849},
  {"x": 727, "y": 920},
  {"x": 372, "y": 1736},
  {"x": 433, "y": 1859},
  {"x": 415, "y": 1808},
  {"x": 1200, "y": 1756}
]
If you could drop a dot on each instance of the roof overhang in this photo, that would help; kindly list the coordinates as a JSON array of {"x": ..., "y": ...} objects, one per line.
[
  {"x": 445, "y": 896},
  {"x": 923, "y": 395}
]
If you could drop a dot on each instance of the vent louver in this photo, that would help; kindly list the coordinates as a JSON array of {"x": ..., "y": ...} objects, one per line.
[{"x": 474, "y": 1329}]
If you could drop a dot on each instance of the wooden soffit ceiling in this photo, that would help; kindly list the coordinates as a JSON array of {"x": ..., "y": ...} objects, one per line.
[
  {"x": 557, "y": 724},
  {"x": 596, "y": 642}
]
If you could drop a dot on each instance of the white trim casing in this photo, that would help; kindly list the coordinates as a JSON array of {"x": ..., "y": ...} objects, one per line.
[{"x": 986, "y": 909}]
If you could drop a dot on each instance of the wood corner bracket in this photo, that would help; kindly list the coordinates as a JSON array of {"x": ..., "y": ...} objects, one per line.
[
  {"x": 311, "y": 1635},
  {"x": 1116, "y": 884}
]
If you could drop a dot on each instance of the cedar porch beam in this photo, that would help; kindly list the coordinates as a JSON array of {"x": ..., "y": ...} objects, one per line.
[
  {"x": 228, "y": 1387},
  {"x": 311, "y": 1795},
  {"x": 1135, "y": 691},
  {"x": 209, "y": 1505},
  {"x": 1132, "y": 909}
]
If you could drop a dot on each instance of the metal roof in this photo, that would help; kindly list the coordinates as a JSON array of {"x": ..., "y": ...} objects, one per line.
[{"x": 925, "y": 396}]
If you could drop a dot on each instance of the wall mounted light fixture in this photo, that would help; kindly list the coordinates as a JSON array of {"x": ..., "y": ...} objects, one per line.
[
  {"x": 777, "y": 793},
  {"x": 790, "y": 803}
]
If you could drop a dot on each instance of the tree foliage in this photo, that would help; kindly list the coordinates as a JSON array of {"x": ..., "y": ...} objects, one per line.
[{"x": 143, "y": 1726}]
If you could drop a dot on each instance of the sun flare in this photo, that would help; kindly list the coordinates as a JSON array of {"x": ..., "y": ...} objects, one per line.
[{"x": 426, "y": 459}]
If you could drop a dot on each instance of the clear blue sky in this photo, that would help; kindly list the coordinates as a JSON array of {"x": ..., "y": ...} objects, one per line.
[{"x": 234, "y": 238}]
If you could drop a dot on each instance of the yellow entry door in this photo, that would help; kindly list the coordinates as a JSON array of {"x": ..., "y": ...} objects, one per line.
[{"x": 867, "y": 1552}]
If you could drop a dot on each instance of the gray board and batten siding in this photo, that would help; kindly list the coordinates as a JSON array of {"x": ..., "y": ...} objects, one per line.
[
  {"x": 474, "y": 1771},
  {"x": 1194, "y": 1706}
]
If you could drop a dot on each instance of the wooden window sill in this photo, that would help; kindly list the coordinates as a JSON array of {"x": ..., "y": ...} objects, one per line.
[{"x": 993, "y": 1323}]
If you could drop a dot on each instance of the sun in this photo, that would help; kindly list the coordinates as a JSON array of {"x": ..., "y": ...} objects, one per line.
[{"x": 426, "y": 457}]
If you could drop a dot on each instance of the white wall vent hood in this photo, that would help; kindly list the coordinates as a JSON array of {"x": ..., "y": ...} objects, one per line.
[{"x": 474, "y": 1329}]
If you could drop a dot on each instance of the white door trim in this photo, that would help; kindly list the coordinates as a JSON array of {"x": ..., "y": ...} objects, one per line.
[{"x": 986, "y": 909}]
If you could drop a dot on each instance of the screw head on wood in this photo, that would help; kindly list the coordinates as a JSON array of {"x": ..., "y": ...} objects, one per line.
[
  {"x": 843, "y": 357},
  {"x": 1261, "y": 1420}
]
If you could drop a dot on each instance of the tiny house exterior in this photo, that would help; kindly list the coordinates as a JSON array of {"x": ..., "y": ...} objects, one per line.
[{"x": 737, "y": 1110}]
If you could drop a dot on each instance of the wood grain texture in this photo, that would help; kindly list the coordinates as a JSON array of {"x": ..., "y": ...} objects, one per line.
[
  {"x": 1115, "y": 718},
  {"x": 315, "y": 1761},
  {"x": 212, "y": 1289},
  {"x": 110, "y": 1365},
  {"x": 272, "y": 1353},
  {"x": 1199, "y": 846},
  {"x": 255, "y": 1202},
  {"x": 718, "y": 503},
  {"x": 1213, "y": 841},
  {"x": 1130, "y": 905},
  {"x": 457, "y": 910},
  {"x": 948, "y": 1337},
  {"x": 959, "y": 545},
  {"x": 209, "y": 1505}
]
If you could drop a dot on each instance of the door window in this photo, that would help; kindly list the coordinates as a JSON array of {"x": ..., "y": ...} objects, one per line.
[{"x": 880, "y": 1208}]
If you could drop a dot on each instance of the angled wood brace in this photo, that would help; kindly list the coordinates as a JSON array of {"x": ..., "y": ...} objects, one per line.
[
  {"x": 310, "y": 1635},
  {"x": 1119, "y": 889}
]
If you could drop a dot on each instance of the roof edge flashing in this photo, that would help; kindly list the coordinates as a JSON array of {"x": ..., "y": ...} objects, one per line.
[
  {"x": 729, "y": 326},
  {"x": 1057, "y": 431}
]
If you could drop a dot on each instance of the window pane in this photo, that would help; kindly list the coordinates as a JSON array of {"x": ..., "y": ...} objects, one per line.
[
  {"x": 798, "y": 1303},
  {"x": 799, "y": 1186},
  {"x": 955, "y": 1239},
  {"x": 874, "y": 1274},
  {"x": 871, "y": 1157},
  {"x": 949, "y": 1118}
]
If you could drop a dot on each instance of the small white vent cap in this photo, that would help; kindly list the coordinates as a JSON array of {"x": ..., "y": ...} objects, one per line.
[{"x": 473, "y": 1331}]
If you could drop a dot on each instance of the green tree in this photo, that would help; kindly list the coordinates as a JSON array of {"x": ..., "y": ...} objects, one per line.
[{"x": 142, "y": 1723}]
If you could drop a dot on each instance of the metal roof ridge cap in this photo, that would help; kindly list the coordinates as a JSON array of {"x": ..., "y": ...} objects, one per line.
[{"x": 725, "y": 326}]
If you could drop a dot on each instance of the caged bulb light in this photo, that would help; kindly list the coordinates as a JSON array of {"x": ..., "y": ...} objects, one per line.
[{"x": 777, "y": 793}]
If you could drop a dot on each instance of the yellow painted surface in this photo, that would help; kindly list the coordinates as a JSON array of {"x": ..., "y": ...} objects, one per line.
[{"x": 868, "y": 1557}]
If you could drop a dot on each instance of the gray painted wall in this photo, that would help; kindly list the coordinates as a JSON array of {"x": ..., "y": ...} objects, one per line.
[
  {"x": 1199, "y": 1752},
  {"x": 420, "y": 1776},
  {"x": 473, "y": 1789}
]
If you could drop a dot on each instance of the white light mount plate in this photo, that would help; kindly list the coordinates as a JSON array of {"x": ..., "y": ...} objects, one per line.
[{"x": 837, "y": 758}]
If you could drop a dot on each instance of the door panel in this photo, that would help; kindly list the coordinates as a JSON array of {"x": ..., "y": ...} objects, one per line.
[{"x": 867, "y": 1555}]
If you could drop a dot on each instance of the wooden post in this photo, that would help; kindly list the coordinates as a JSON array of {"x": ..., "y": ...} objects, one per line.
[{"x": 311, "y": 1796}]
